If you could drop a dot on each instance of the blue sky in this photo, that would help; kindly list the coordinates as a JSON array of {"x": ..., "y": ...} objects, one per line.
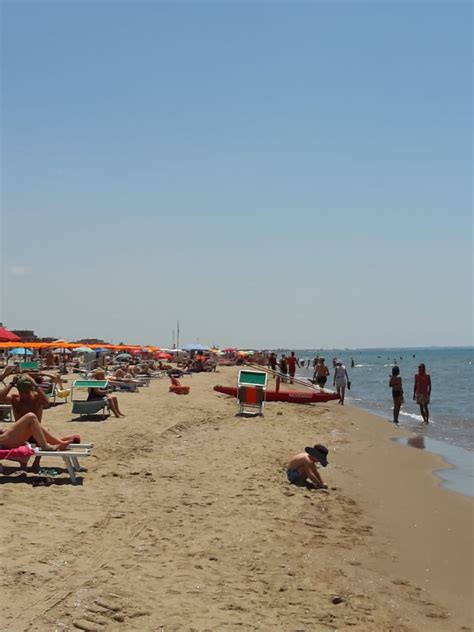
[{"x": 272, "y": 174}]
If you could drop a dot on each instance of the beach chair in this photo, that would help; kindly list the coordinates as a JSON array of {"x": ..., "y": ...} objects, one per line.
[
  {"x": 84, "y": 408},
  {"x": 144, "y": 379},
  {"x": 30, "y": 366},
  {"x": 52, "y": 392},
  {"x": 70, "y": 456},
  {"x": 6, "y": 412},
  {"x": 251, "y": 392},
  {"x": 124, "y": 387}
]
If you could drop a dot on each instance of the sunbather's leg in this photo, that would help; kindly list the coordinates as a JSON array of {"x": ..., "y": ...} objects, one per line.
[
  {"x": 113, "y": 401},
  {"x": 61, "y": 443},
  {"x": 26, "y": 427}
]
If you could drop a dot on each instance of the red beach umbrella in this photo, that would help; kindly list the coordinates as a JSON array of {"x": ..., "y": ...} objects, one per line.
[
  {"x": 163, "y": 356},
  {"x": 8, "y": 336}
]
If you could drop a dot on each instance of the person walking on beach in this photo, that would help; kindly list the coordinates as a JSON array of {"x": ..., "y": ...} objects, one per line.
[
  {"x": 341, "y": 380},
  {"x": 292, "y": 364},
  {"x": 422, "y": 392},
  {"x": 302, "y": 466},
  {"x": 283, "y": 366},
  {"x": 395, "y": 384},
  {"x": 321, "y": 373},
  {"x": 272, "y": 361}
]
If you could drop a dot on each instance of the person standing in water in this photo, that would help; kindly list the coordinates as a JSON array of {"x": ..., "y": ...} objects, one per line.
[
  {"x": 422, "y": 392},
  {"x": 341, "y": 380},
  {"x": 395, "y": 384}
]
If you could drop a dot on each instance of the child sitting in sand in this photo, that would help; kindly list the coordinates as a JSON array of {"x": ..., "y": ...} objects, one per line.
[{"x": 303, "y": 466}]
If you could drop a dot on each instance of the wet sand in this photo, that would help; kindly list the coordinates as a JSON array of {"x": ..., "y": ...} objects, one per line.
[{"x": 185, "y": 521}]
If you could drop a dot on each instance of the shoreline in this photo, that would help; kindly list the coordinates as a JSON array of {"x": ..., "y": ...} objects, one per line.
[
  {"x": 186, "y": 519},
  {"x": 456, "y": 474}
]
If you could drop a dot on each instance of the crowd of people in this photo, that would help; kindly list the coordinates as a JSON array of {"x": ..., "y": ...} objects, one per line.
[{"x": 27, "y": 394}]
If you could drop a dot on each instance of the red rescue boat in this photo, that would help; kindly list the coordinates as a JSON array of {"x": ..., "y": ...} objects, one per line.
[{"x": 293, "y": 397}]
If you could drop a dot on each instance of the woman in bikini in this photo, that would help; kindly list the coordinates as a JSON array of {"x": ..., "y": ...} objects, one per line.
[{"x": 395, "y": 384}]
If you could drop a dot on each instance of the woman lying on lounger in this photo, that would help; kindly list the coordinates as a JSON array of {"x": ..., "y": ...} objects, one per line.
[
  {"x": 28, "y": 428},
  {"x": 120, "y": 377},
  {"x": 102, "y": 393}
]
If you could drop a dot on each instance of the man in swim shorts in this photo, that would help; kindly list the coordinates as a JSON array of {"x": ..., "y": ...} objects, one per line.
[
  {"x": 321, "y": 373},
  {"x": 292, "y": 364},
  {"x": 302, "y": 466}
]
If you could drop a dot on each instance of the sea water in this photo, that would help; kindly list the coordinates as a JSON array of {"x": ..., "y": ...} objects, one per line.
[{"x": 451, "y": 406}]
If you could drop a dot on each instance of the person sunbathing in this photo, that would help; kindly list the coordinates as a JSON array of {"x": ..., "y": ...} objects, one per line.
[
  {"x": 28, "y": 428},
  {"x": 29, "y": 399},
  {"x": 102, "y": 393},
  {"x": 120, "y": 377}
]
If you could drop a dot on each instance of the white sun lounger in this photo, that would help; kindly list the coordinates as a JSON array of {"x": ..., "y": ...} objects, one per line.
[{"x": 70, "y": 458}]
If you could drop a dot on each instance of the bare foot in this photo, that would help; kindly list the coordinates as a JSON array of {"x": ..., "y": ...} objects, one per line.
[{"x": 64, "y": 444}]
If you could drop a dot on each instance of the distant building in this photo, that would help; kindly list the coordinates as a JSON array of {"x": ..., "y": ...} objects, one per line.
[
  {"x": 92, "y": 341},
  {"x": 26, "y": 335}
]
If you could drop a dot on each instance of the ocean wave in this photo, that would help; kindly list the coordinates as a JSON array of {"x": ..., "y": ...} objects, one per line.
[{"x": 412, "y": 416}]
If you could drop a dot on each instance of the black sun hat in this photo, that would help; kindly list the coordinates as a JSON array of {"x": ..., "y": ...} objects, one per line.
[{"x": 319, "y": 452}]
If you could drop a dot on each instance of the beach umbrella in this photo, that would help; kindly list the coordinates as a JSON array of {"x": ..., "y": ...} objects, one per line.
[
  {"x": 63, "y": 350},
  {"x": 195, "y": 347},
  {"x": 163, "y": 356},
  {"x": 123, "y": 356},
  {"x": 20, "y": 351},
  {"x": 229, "y": 350},
  {"x": 83, "y": 350},
  {"x": 8, "y": 336},
  {"x": 100, "y": 350}
]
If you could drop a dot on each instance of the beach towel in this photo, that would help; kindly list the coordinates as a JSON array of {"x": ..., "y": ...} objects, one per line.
[{"x": 22, "y": 453}]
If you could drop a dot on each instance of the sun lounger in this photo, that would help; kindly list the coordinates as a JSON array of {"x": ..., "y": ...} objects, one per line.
[
  {"x": 70, "y": 456},
  {"x": 52, "y": 392},
  {"x": 144, "y": 379},
  {"x": 124, "y": 387}
]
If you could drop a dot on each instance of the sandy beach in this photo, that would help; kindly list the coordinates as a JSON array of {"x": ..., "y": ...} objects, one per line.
[{"x": 185, "y": 521}]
